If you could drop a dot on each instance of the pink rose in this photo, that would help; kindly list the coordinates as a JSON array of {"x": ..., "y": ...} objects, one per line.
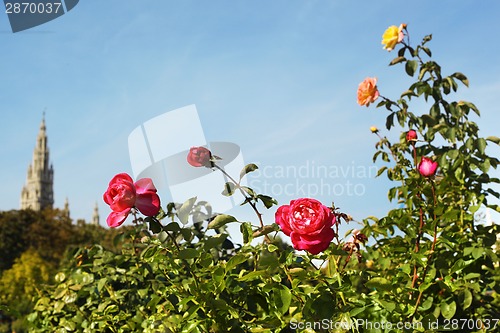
[
  {"x": 122, "y": 195},
  {"x": 427, "y": 167},
  {"x": 199, "y": 156},
  {"x": 368, "y": 91},
  {"x": 411, "y": 135},
  {"x": 308, "y": 223}
]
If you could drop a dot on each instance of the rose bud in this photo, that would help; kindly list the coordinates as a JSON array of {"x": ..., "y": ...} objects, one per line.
[
  {"x": 411, "y": 135},
  {"x": 199, "y": 157},
  {"x": 427, "y": 167}
]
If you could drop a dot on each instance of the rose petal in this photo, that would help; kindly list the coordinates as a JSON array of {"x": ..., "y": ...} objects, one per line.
[
  {"x": 313, "y": 245},
  {"x": 143, "y": 185},
  {"x": 148, "y": 203},
  {"x": 115, "y": 219},
  {"x": 281, "y": 218}
]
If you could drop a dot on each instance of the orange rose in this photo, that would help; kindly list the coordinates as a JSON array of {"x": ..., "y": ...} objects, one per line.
[
  {"x": 392, "y": 36},
  {"x": 367, "y": 91}
]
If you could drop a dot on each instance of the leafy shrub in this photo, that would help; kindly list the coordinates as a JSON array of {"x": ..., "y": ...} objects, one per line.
[{"x": 429, "y": 264}]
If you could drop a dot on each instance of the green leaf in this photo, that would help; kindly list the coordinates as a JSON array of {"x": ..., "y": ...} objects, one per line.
[
  {"x": 172, "y": 227},
  {"x": 267, "y": 200},
  {"x": 381, "y": 170},
  {"x": 283, "y": 299},
  {"x": 467, "y": 299},
  {"x": 235, "y": 261},
  {"x": 459, "y": 265},
  {"x": 397, "y": 60},
  {"x": 448, "y": 309},
  {"x": 427, "y": 304},
  {"x": 154, "y": 225},
  {"x": 477, "y": 252},
  {"x": 389, "y": 306},
  {"x": 188, "y": 253},
  {"x": 471, "y": 276},
  {"x": 185, "y": 210},
  {"x": 461, "y": 77},
  {"x": 229, "y": 189},
  {"x": 379, "y": 283},
  {"x": 252, "y": 275},
  {"x": 271, "y": 247},
  {"x": 247, "y": 169},
  {"x": 250, "y": 192},
  {"x": 411, "y": 66},
  {"x": 221, "y": 220},
  {"x": 102, "y": 282},
  {"x": 390, "y": 121},
  {"x": 247, "y": 232},
  {"x": 408, "y": 93},
  {"x": 427, "y": 51},
  {"x": 494, "y": 139},
  {"x": 215, "y": 241},
  {"x": 60, "y": 277},
  {"x": 481, "y": 145},
  {"x": 356, "y": 311}
]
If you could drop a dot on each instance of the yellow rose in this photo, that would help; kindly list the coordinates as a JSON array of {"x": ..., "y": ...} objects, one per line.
[{"x": 392, "y": 36}]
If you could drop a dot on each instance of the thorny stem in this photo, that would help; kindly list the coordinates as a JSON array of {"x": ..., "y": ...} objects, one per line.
[
  {"x": 339, "y": 280},
  {"x": 347, "y": 259},
  {"x": 421, "y": 225},
  {"x": 431, "y": 253},
  {"x": 247, "y": 199}
]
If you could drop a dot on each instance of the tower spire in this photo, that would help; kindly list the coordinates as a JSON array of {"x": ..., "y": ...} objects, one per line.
[
  {"x": 95, "y": 217},
  {"x": 37, "y": 193}
]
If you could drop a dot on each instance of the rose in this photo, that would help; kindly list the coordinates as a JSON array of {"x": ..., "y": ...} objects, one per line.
[
  {"x": 392, "y": 36},
  {"x": 411, "y": 135},
  {"x": 199, "y": 156},
  {"x": 367, "y": 91},
  {"x": 427, "y": 167},
  {"x": 308, "y": 223},
  {"x": 122, "y": 195}
]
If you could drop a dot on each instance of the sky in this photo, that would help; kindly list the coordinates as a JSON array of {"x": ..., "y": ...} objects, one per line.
[{"x": 278, "y": 78}]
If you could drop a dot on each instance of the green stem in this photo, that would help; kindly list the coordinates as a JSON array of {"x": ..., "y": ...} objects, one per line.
[
  {"x": 247, "y": 199},
  {"x": 431, "y": 253},
  {"x": 339, "y": 280}
]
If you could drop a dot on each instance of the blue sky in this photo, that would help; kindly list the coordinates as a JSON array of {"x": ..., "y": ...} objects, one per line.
[{"x": 278, "y": 78}]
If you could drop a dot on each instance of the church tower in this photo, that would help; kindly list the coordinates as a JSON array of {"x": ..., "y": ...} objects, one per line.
[
  {"x": 95, "y": 217},
  {"x": 38, "y": 192}
]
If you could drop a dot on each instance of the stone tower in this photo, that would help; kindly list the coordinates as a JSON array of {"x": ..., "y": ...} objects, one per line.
[
  {"x": 95, "y": 217},
  {"x": 38, "y": 193}
]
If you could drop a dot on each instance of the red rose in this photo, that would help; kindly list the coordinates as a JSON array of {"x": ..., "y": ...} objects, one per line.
[
  {"x": 122, "y": 195},
  {"x": 199, "y": 156},
  {"x": 308, "y": 223},
  {"x": 411, "y": 135},
  {"x": 427, "y": 167}
]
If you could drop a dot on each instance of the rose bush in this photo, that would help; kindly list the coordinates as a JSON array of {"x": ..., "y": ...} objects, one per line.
[
  {"x": 428, "y": 263},
  {"x": 123, "y": 195},
  {"x": 308, "y": 223}
]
